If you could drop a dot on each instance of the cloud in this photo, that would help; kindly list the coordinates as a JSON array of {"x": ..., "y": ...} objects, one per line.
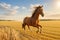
[
  {"x": 9, "y": 8},
  {"x": 51, "y": 16},
  {"x": 13, "y": 10},
  {"x": 33, "y": 6},
  {"x": 54, "y": 15},
  {"x": 5, "y": 6},
  {"x": 24, "y": 8}
]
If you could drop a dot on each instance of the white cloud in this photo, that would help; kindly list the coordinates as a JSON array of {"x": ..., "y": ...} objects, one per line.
[
  {"x": 33, "y": 6},
  {"x": 24, "y": 8},
  {"x": 14, "y": 10},
  {"x": 4, "y": 5},
  {"x": 16, "y": 7},
  {"x": 8, "y": 11},
  {"x": 9, "y": 8}
]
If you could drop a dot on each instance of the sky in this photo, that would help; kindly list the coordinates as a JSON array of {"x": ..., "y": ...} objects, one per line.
[{"x": 19, "y": 9}]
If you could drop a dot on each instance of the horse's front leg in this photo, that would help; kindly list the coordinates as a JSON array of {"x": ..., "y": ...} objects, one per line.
[
  {"x": 40, "y": 28},
  {"x": 37, "y": 29}
]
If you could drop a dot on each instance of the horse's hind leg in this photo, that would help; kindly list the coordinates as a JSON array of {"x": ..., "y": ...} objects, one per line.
[
  {"x": 23, "y": 26},
  {"x": 29, "y": 28}
]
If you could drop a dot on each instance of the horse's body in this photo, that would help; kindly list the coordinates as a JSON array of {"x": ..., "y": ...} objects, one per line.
[
  {"x": 34, "y": 19},
  {"x": 31, "y": 21}
]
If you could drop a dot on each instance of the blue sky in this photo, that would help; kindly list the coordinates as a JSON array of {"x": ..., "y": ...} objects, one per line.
[{"x": 18, "y": 9}]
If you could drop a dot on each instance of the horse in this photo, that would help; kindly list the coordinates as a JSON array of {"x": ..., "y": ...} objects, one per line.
[{"x": 34, "y": 19}]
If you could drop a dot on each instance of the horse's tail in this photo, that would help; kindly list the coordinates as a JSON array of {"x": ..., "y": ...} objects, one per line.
[{"x": 23, "y": 26}]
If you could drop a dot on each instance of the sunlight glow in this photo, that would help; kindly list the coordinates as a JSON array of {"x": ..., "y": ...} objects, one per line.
[{"x": 58, "y": 4}]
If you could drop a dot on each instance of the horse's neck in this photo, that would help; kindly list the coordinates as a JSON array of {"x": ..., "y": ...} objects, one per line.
[{"x": 36, "y": 16}]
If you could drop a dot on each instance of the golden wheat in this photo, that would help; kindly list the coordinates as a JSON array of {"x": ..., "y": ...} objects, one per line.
[{"x": 12, "y": 30}]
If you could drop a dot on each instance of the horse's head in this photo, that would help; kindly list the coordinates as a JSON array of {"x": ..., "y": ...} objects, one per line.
[{"x": 40, "y": 10}]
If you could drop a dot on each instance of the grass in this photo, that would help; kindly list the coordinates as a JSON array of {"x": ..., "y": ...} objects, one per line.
[{"x": 12, "y": 30}]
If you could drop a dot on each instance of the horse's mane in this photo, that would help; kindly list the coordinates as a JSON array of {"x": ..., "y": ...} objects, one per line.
[{"x": 34, "y": 12}]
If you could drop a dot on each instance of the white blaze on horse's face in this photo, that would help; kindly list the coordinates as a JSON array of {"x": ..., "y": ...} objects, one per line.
[{"x": 41, "y": 11}]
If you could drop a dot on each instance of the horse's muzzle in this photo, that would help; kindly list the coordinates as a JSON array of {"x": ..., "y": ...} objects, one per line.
[{"x": 42, "y": 15}]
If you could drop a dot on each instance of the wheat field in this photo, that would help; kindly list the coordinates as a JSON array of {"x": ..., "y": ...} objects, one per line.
[{"x": 12, "y": 30}]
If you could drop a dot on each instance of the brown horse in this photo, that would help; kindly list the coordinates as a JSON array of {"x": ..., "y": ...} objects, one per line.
[{"x": 34, "y": 19}]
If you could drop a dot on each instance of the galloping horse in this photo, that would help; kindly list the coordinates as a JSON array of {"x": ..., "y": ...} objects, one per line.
[{"x": 34, "y": 19}]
